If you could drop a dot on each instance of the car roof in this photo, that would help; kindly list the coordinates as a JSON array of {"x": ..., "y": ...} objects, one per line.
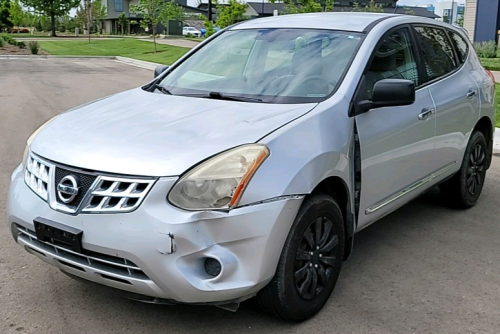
[{"x": 357, "y": 22}]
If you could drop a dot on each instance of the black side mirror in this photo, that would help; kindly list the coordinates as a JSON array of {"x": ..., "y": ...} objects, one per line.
[
  {"x": 389, "y": 93},
  {"x": 160, "y": 69}
]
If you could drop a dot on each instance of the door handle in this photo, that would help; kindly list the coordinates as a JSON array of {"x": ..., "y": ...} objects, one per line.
[
  {"x": 425, "y": 113},
  {"x": 471, "y": 93}
]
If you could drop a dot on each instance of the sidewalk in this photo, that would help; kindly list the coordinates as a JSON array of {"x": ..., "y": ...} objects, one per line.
[
  {"x": 183, "y": 43},
  {"x": 496, "y": 142},
  {"x": 496, "y": 74}
]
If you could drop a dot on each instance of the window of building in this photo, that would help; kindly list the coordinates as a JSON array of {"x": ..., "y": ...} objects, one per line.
[
  {"x": 437, "y": 52},
  {"x": 118, "y": 5}
]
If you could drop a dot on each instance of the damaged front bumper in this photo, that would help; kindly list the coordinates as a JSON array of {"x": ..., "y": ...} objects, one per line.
[{"x": 159, "y": 251}]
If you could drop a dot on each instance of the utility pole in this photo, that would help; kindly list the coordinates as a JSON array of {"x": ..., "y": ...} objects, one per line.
[
  {"x": 451, "y": 12},
  {"x": 210, "y": 10}
]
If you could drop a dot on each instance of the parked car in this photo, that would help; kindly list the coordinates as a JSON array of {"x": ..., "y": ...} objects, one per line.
[
  {"x": 191, "y": 31},
  {"x": 246, "y": 168}
]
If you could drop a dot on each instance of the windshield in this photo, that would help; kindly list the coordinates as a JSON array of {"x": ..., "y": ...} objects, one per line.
[{"x": 267, "y": 65}]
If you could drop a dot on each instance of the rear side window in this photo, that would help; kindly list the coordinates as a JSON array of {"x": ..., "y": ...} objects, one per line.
[
  {"x": 460, "y": 45},
  {"x": 437, "y": 52}
]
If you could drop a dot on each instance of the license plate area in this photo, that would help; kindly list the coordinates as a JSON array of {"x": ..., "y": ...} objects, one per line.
[{"x": 52, "y": 232}]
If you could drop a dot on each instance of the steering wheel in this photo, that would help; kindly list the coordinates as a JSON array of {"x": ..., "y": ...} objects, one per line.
[{"x": 321, "y": 78}]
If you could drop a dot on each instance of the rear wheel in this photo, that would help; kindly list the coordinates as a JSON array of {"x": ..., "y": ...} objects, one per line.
[
  {"x": 310, "y": 262},
  {"x": 464, "y": 189}
]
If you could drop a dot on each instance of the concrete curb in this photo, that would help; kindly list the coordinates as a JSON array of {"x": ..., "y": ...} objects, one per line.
[
  {"x": 138, "y": 63},
  {"x": 51, "y": 56},
  {"x": 125, "y": 60}
]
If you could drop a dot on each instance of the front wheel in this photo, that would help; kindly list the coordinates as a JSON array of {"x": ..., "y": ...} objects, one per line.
[
  {"x": 464, "y": 188},
  {"x": 310, "y": 262}
]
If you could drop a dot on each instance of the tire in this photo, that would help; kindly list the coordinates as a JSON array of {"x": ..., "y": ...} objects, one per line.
[
  {"x": 291, "y": 294},
  {"x": 464, "y": 188}
]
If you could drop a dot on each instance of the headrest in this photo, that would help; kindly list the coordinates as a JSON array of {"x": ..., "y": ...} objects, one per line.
[{"x": 383, "y": 64}]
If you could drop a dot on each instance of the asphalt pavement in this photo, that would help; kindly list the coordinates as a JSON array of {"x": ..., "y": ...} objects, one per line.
[{"x": 423, "y": 269}]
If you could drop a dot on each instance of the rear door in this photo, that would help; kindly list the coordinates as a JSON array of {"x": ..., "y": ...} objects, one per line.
[
  {"x": 396, "y": 143},
  {"x": 455, "y": 94}
]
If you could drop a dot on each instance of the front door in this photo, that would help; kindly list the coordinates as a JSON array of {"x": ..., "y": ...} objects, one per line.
[{"x": 396, "y": 143}]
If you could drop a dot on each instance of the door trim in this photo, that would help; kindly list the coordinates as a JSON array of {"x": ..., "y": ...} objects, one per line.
[{"x": 409, "y": 189}]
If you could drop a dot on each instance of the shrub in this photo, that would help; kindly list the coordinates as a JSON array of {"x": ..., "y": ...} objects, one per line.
[
  {"x": 21, "y": 45},
  {"x": 34, "y": 47},
  {"x": 8, "y": 39},
  {"x": 486, "y": 49},
  {"x": 1, "y": 42}
]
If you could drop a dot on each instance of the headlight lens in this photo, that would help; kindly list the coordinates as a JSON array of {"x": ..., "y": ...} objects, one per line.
[
  {"x": 219, "y": 182},
  {"x": 30, "y": 140}
]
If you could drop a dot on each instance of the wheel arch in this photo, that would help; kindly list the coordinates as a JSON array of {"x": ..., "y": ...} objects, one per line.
[
  {"x": 338, "y": 189},
  {"x": 485, "y": 126}
]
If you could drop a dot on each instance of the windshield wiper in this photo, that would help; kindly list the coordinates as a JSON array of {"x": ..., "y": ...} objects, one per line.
[
  {"x": 162, "y": 89},
  {"x": 219, "y": 96}
]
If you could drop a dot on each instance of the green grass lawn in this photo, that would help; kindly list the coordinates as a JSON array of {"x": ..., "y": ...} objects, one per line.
[
  {"x": 126, "y": 47},
  {"x": 498, "y": 105},
  {"x": 493, "y": 64}
]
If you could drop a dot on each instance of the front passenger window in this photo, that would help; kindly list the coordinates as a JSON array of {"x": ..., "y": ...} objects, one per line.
[{"x": 394, "y": 59}]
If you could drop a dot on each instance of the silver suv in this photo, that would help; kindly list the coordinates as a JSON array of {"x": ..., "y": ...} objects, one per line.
[{"x": 246, "y": 168}]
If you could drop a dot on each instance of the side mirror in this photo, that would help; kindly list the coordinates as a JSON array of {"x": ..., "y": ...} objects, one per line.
[
  {"x": 160, "y": 69},
  {"x": 389, "y": 93}
]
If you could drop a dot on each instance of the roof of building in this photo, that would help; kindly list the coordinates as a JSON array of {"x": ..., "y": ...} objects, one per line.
[{"x": 267, "y": 8}]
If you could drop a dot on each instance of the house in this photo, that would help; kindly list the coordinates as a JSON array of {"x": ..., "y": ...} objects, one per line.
[
  {"x": 482, "y": 19},
  {"x": 116, "y": 7}
]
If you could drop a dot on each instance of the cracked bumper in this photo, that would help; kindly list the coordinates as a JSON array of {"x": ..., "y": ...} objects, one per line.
[{"x": 134, "y": 251}]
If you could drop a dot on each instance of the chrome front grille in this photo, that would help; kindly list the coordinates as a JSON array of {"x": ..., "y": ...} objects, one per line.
[
  {"x": 101, "y": 262},
  {"x": 112, "y": 194},
  {"x": 36, "y": 176},
  {"x": 97, "y": 192}
]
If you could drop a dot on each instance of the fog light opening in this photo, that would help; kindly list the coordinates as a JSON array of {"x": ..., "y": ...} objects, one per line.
[{"x": 213, "y": 267}]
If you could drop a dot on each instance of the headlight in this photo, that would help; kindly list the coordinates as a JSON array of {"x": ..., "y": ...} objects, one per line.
[
  {"x": 30, "y": 140},
  {"x": 219, "y": 183}
]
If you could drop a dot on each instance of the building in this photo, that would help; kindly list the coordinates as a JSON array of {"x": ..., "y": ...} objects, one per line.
[
  {"x": 116, "y": 7},
  {"x": 482, "y": 19},
  {"x": 261, "y": 9},
  {"x": 450, "y": 11}
]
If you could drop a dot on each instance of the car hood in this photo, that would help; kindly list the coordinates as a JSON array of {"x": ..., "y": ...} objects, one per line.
[{"x": 143, "y": 133}]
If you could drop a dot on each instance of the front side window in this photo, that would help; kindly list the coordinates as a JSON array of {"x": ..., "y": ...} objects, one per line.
[
  {"x": 268, "y": 65},
  {"x": 394, "y": 59},
  {"x": 437, "y": 52},
  {"x": 118, "y": 5}
]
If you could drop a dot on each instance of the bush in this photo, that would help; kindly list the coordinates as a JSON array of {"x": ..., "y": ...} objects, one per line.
[
  {"x": 34, "y": 47},
  {"x": 1, "y": 42},
  {"x": 21, "y": 45},
  {"x": 8, "y": 39},
  {"x": 486, "y": 49}
]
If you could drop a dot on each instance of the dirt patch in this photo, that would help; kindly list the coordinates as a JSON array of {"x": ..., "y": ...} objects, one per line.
[{"x": 14, "y": 50}]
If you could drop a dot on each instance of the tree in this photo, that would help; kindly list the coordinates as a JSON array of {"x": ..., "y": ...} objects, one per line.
[
  {"x": 371, "y": 7},
  {"x": 171, "y": 11},
  {"x": 16, "y": 14},
  {"x": 230, "y": 14},
  {"x": 151, "y": 13},
  {"x": 123, "y": 22},
  {"x": 306, "y": 6},
  {"x": 460, "y": 21},
  {"x": 52, "y": 8},
  {"x": 4, "y": 14},
  {"x": 409, "y": 11},
  {"x": 99, "y": 13}
]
